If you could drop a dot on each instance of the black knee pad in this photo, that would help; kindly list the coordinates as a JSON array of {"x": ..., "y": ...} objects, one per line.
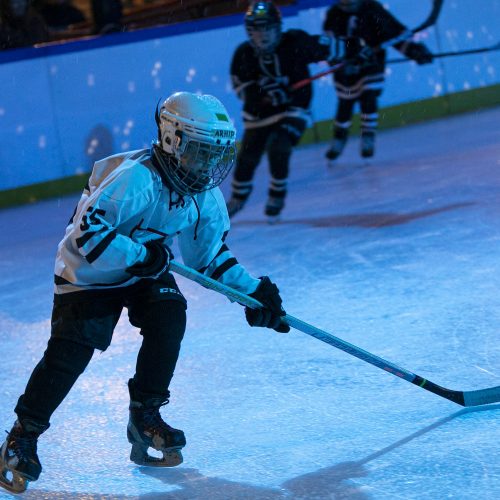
[
  {"x": 67, "y": 356},
  {"x": 345, "y": 109},
  {"x": 246, "y": 164},
  {"x": 165, "y": 319},
  {"x": 279, "y": 152},
  {"x": 369, "y": 101},
  {"x": 280, "y": 144}
]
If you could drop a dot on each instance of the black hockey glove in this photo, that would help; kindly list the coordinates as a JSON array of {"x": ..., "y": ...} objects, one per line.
[
  {"x": 274, "y": 92},
  {"x": 270, "y": 315},
  {"x": 419, "y": 53},
  {"x": 157, "y": 261},
  {"x": 334, "y": 61},
  {"x": 365, "y": 57}
]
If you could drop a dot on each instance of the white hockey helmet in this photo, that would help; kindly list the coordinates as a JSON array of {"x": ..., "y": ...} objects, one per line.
[{"x": 196, "y": 142}]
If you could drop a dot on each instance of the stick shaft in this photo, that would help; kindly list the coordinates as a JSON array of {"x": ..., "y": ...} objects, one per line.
[
  {"x": 451, "y": 54},
  {"x": 469, "y": 398}
]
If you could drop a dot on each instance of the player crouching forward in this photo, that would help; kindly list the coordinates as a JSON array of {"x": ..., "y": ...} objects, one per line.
[{"x": 115, "y": 254}]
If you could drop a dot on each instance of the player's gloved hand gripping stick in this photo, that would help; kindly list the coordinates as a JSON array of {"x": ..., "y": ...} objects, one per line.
[{"x": 464, "y": 398}]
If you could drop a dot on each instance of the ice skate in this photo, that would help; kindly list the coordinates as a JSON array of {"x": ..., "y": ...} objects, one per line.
[
  {"x": 234, "y": 205},
  {"x": 273, "y": 209},
  {"x": 19, "y": 462},
  {"x": 367, "y": 144},
  {"x": 338, "y": 145},
  {"x": 146, "y": 429}
]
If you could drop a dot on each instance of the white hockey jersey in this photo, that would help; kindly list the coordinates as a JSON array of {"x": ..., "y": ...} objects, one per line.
[{"x": 126, "y": 204}]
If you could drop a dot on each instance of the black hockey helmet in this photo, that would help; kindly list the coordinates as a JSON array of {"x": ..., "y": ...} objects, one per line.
[
  {"x": 263, "y": 25},
  {"x": 351, "y": 6}
]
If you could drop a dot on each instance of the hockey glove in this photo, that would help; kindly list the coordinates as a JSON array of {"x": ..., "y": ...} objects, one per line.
[
  {"x": 270, "y": 315},
  {"x": 363, "y": 58},
  {"x": 419, "y": 53},
  {"x": 157, "y": 261},
  {"x": 334, "y": 61},
  {"x": 273, "y": 92}
]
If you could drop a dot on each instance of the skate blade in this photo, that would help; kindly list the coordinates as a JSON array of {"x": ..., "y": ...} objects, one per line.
[
  {"x": 332, "y": 156},
  {"x": 171, "y": 457},
  {"x": 273, "y": 219},
  {"x": 17, "y": 484}
]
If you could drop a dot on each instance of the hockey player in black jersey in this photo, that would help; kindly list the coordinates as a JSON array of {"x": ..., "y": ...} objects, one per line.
[
  {"x": 115, "y": 254},
  {"x": 262, "y": 71},
  {"x": 359, "y": 27}
]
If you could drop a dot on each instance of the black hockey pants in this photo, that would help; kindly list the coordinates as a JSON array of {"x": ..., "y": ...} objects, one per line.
[
  {"x": 278, "y": 141},
  {"x": 155, "y": 306}
]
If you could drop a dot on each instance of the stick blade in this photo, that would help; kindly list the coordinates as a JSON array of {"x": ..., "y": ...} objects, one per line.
[{"x": 482, "y": 396}]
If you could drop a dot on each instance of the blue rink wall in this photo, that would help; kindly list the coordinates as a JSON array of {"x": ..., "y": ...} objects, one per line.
[{"x": 63, "y": 106}]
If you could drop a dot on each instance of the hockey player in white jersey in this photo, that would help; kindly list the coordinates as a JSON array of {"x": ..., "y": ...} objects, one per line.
[{"x": 116, "y": 254}]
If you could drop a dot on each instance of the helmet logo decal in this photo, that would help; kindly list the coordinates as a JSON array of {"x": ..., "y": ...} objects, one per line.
[{"x": 224, "y": 133}]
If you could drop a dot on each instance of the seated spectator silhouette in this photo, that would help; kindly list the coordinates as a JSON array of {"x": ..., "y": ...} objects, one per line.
[
  {"x": 20, "y": 25},
  {"x": 107, "y": 16},
  {"x": 60, "y": 14}
]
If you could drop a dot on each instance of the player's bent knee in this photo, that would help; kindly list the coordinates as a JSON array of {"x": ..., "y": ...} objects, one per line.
[{"x": 169, "y": 318}]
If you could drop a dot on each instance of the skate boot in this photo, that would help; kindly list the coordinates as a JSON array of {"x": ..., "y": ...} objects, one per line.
[
  {"x": 19, "y": 462},
  {"x": 274, "y": 206},
  {"x": 367, "y": 144},
  {"x": 146, "y": 429},
  {"x": 234, "y": 205},
  {"x": 338, "y": 144}
]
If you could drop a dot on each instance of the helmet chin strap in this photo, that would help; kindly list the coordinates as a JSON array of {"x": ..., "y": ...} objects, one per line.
[
  {"x": 159, "y": 159},
  {"x": 263, "y": 52}
]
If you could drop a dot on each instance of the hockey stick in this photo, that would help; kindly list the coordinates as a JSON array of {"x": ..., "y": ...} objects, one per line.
[
  {"x": 464, "y": 398},
  {"x": 431, "y": 19},
  {"x": 451, "y": 54}
]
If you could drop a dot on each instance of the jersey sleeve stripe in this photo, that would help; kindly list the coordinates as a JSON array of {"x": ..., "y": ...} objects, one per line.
[
  {"x": 222, "y": 249},
  {"x": 226, "y": 265},
  {"x": 87, "y": 236},
  {"x": 100, "y": 247}
]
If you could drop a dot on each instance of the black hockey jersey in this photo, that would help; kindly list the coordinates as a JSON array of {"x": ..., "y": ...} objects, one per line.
[
  {"x": 371, "y": 25},
  {"x": 287, "y": 65}
]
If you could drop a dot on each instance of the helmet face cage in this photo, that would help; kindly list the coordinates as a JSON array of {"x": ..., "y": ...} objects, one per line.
[
  {"x": 263, "y": 25},
  {"x": 198, "y": 148},
  {"x": 199, "y": 166}
]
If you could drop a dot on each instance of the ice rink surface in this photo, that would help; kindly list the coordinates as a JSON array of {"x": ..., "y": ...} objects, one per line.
[{"x": 399, "y": 257}]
